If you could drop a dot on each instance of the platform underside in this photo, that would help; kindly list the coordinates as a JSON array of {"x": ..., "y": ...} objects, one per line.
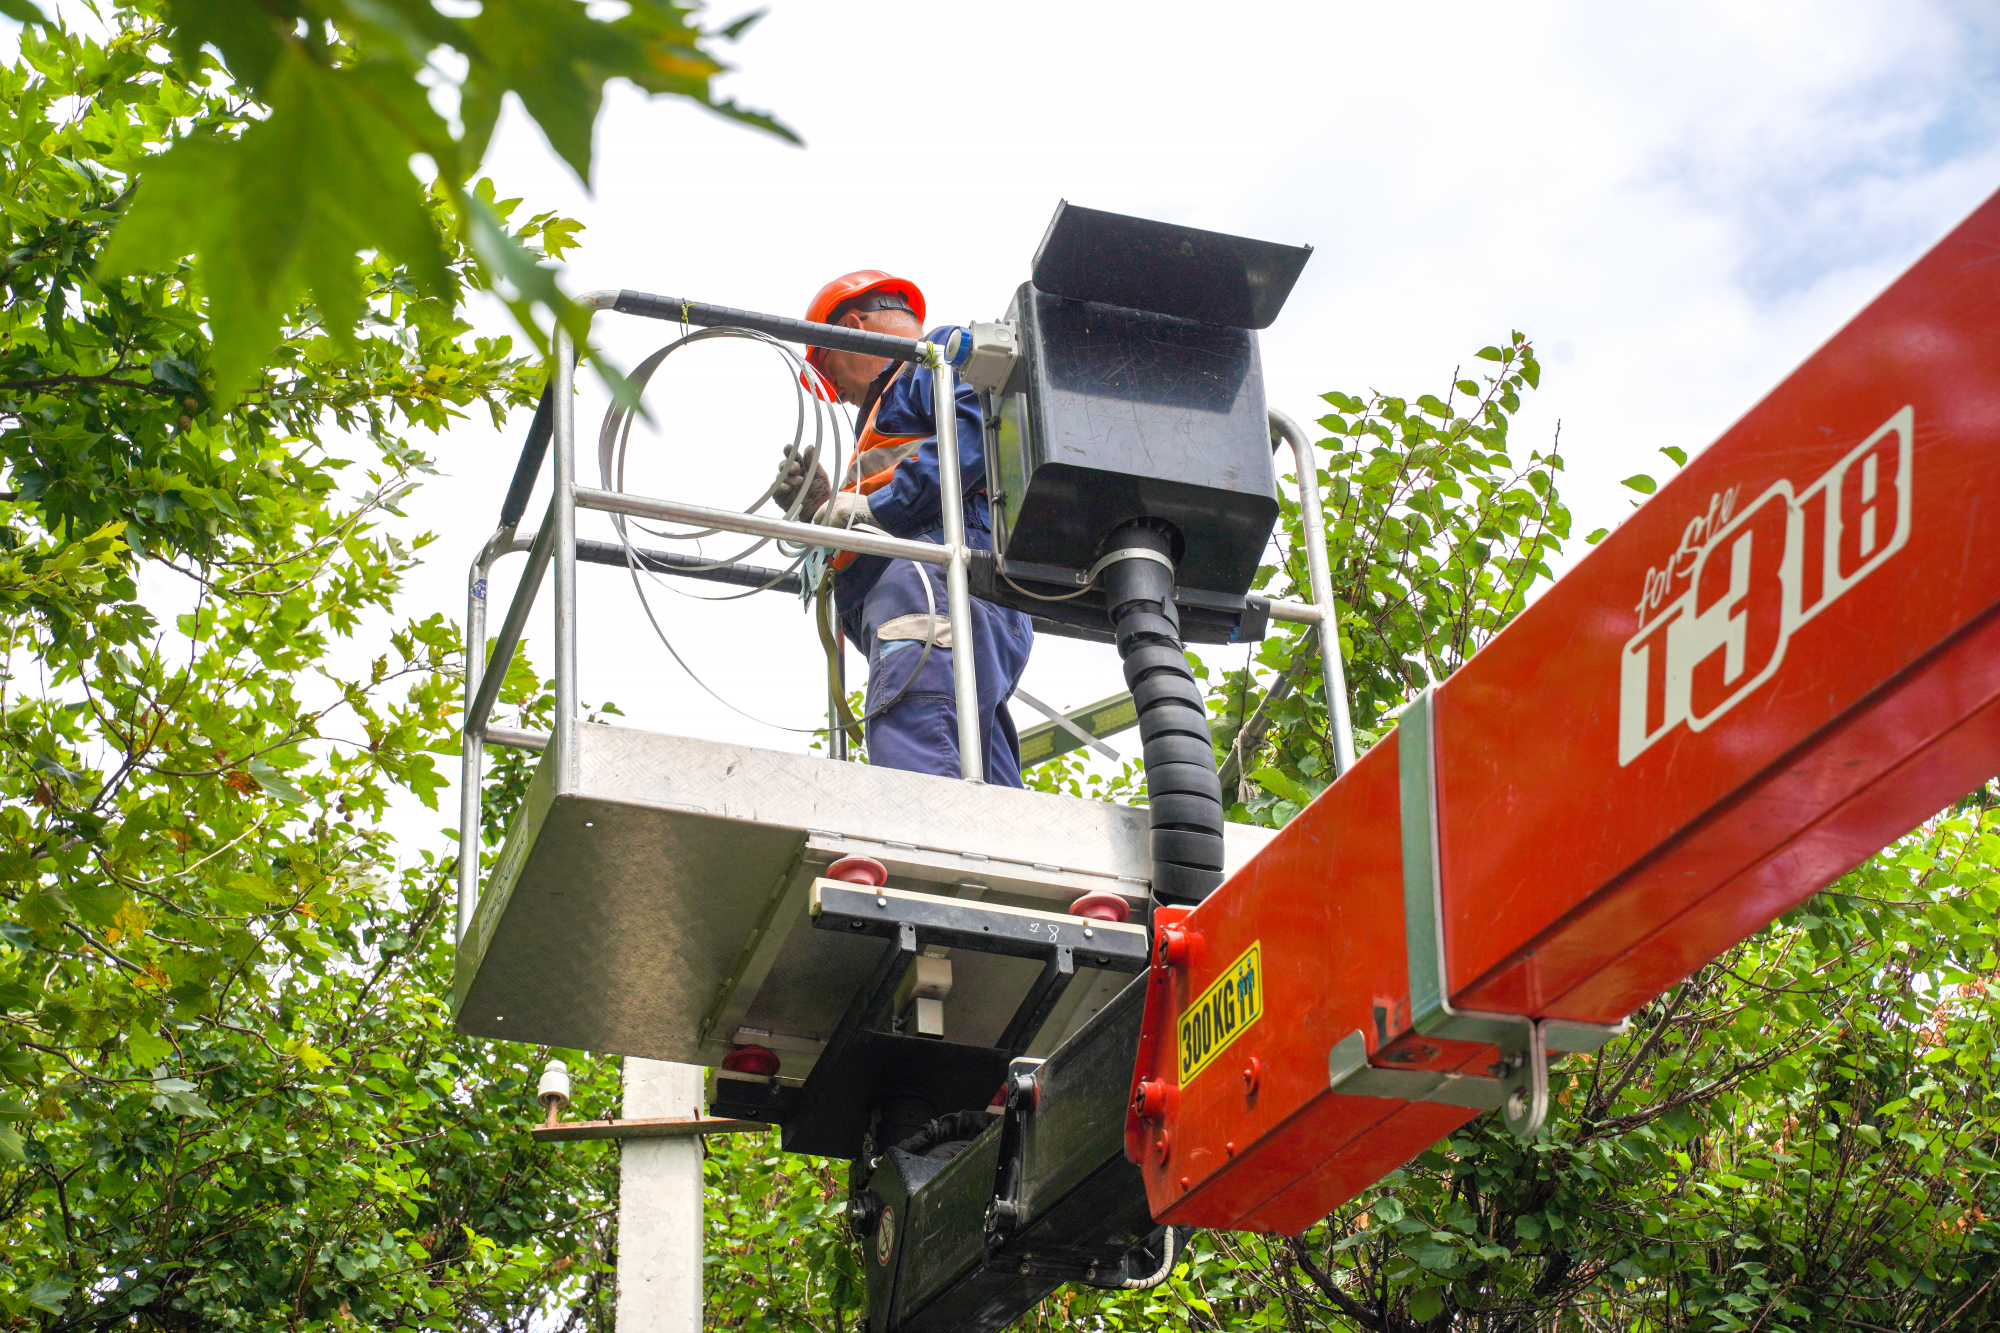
[{"x": 655, "y": 903}]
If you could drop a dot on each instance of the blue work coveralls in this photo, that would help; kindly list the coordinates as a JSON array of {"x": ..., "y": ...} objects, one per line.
[{"x": 919, "y": 732}]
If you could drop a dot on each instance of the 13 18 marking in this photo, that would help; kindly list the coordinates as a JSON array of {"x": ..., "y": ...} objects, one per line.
[{"x": 1774, "y": 566}]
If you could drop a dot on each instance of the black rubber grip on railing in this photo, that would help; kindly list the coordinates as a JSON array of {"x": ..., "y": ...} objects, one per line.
[
  {"x": 688, "y": 567},
  {"x": 804, "y": 331},
  {"x": 532, "y": 453},
  {"x": 1182, "y": 789}
]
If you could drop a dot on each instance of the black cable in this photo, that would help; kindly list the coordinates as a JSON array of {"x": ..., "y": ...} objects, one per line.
[
  {"x": 688, "y": 567},
  {"x": 955, "y": 1128},
  {"x": 1173, "y": 1246},
  {"x": 1183, "y": 793},
  {"x": 530, "y": 466}
]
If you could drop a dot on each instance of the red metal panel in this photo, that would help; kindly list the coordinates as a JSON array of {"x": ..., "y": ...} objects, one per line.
[
  {"x": 1324, "y": 905},
  {"x": 1920, "y": 748},
  {"x": 1783, "y": 662},
  {"x": 1704, "y": 722}
]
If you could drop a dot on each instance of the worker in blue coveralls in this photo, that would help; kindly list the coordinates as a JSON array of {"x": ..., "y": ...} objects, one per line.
[{"x": 892, "y": 484}]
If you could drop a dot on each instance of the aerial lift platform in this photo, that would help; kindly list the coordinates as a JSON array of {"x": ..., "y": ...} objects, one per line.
[{"x": 1784, "y": 661}]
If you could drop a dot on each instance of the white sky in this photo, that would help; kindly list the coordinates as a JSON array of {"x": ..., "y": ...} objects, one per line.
[{"x": 1677, "y": 202}]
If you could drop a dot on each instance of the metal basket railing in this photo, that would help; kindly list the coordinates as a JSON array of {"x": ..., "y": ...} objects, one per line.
[{"x": 554, "y": 543}]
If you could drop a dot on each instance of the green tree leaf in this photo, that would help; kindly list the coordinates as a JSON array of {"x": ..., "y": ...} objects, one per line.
[
  {"x": 51, "y": 1294},
  {"x": 1275, "y": 781},
  {"x": 287, "y": 201}
]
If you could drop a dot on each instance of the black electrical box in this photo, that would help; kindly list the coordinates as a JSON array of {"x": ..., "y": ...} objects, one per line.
[
  {"x": 1139, "y": 397},
  {"x": 1088, "y": 255}
]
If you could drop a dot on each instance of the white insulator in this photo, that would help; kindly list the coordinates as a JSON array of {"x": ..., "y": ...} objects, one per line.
[{"x": 554, "y": 1086}]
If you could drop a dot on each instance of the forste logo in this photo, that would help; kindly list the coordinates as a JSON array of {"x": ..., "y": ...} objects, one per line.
[{"x": 1769, "y": 569}]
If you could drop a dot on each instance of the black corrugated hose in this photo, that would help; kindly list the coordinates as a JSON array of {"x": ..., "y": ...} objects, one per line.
[
  {"x": 946, "y": 1135},
  {"x": 1181, "y": 786}
]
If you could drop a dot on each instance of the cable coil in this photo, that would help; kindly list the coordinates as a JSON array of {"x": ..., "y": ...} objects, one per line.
[{"x": 828, "y": 429}]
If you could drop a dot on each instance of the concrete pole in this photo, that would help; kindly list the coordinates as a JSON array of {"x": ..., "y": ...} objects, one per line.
[{"x": 659, "y": 1204}]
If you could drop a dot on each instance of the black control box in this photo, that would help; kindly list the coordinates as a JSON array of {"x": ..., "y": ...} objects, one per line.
[{"x": 1134, "y": 401}]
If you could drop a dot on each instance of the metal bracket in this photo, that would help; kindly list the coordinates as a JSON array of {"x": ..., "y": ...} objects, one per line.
[
  {"x": 571, "y": 1131},
  {"x": 961, "y": 923},
  {"x": 1126, "y": 553},
  {"x": 1521, "y": 1092},
  {"x": 986, "y": 354},
  {"x": 1059, "y": 942}
]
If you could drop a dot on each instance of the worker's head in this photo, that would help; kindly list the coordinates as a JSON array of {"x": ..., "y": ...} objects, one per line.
[{"x": 868, "y": 299}]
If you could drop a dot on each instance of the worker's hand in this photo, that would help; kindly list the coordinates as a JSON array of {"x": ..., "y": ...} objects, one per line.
[
  {"x": 845, "y": 510},
  {"x": 791, "y": 475}
]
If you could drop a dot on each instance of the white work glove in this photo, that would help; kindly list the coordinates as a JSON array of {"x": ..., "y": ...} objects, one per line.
[{"x": 846, "y": 510}]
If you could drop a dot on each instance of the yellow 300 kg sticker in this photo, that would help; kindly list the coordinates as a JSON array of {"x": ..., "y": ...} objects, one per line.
[{"x": 1225, "y": 1009}]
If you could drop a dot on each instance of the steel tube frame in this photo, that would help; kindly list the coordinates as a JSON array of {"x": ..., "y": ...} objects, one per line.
[
  {"x": 472, "y": 749},
  {"x": 957, "y": 584},
  {"x": 1333, "y": 672},
  {"x": 540, "y": 547},
  {"x": 762, "y": 525},
  {"x": 555, "y": 542},
  {"x": 562, "y": 521}
]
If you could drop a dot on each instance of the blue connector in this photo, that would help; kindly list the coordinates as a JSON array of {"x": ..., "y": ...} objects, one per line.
[{"x": 958, "y": 348}]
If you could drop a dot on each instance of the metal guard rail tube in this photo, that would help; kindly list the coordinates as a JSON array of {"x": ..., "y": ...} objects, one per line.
[
  {"x": 510, "y": 631},
  {"x": 840, "y": 539},
  {"x": 957, "y": 586},
  {"x": 1333, "y": 673},
  {"x": 1296, "y": 613},
  {"x": 830, "y": 336},
  {"x": 760, "y": 525},
  {"x": 536, "y": 447},
  {"x": 472, "y": 754},
  {"x": 562, "y": 522}
]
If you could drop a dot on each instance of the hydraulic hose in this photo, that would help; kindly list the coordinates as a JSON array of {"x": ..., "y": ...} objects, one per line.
[
  {"x": 1173, "y": 1243},
  {"x": 946, "y": 1135},
  {"x": 1182, "y": 789}
]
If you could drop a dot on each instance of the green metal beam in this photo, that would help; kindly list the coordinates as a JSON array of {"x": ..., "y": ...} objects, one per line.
[{"x": 1107, "y": 717}]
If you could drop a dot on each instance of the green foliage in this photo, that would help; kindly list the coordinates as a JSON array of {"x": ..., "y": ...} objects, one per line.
[
  {"x": 230, "y": 1095},
  {"x": 303, "y": 179},
  {"x": 778, "y": 1255},
  {"x": 1435, "y": 535}
]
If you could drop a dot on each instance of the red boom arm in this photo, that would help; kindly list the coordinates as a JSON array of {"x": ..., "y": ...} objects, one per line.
[{"x": 1781, "y": 663}]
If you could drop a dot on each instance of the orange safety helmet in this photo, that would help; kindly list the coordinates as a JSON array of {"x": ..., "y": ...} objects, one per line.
[{"x": 850, "y": 287}]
